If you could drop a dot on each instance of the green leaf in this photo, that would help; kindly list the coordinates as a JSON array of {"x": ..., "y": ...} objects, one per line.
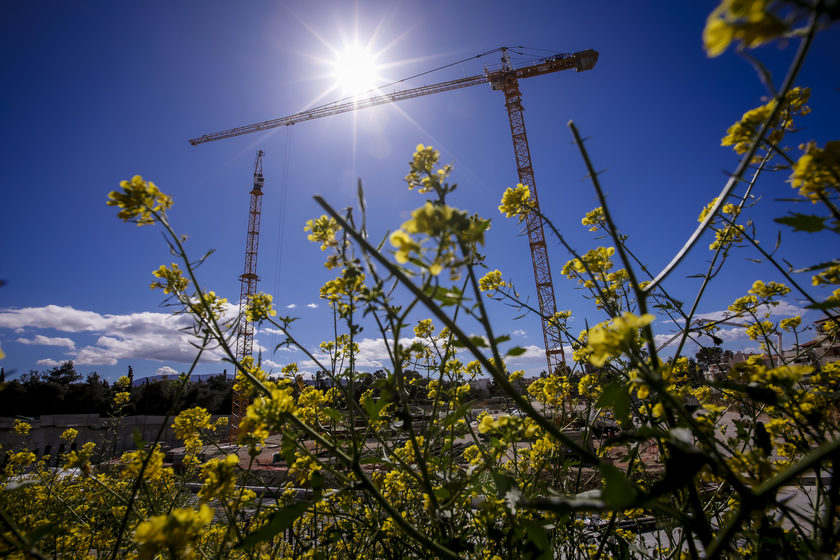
[
  {"x": 803, "y": 222},
  {"x": 138, "y": 439},
  {"x": 279, "y": 522},
  {"x": 616, "y": 397},
  {"x": 537, "y": 534},
  {"x": 819, "y": 266},
  {"x": 619, "y": 493},
  {"x": 501, "y": 339},
  {"x": 287, "y": 449},
  {"x": 39, "y": 533},
  {"x": 515, "y": 351},
  {"x": 373, "y": 408},
  {"x": 446, "y": 296},
  {"x": 503, "y": 483},
  {"x": 477, "y": 341},
  {"x": 822, "y": 306},
  {"x": 332, "y": 414},
  {"x": 457, "y": 414}
]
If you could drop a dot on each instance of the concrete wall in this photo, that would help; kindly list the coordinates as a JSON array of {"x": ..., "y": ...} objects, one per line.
[{"x": 110, "y": 434}]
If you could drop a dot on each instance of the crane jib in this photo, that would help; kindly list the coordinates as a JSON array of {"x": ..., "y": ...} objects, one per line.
[{"x": 580, "y": 61}]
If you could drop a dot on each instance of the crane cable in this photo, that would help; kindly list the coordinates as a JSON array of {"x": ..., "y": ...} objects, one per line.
[
  {"x": 379, "y": 88},
  {"x": 281, "y": 225}
]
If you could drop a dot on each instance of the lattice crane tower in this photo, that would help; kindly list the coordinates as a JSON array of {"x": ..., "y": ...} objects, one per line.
[
  {"x": 248, "y": 280},
  {"x": 506, "y": 80}
]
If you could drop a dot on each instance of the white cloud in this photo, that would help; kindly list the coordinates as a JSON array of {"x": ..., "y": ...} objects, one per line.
[
  {"x": 373, "y": 354},
  {"x": 519, "y": 332},
  {"x": 42, "y": 340},
  {"x": 784, "y": 308},
  {"x": 48, "y": 362},
  {"x": 312, "y": 305},
  {"x": 166, "y": 370},
  {"x": 272, "y": 364},
  {"x": 146, "y": 335},
  {"x": 661, "y": 339},
  {"x": 291, "y": 306}
]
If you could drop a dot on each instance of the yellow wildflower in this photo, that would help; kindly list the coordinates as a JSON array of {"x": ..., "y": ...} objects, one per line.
[
  {"x": 176, "y": 532},
  {"x": 175, "y": 281},
  {"x": 259, "y": 307},
  {"x": 21, "y": 428},
  {"x": 817, "y": 170},
  {"x": 323, "y": 231},
  {"x": 69, "y": 434},
  {"x": 219, "y": 477},
  {"x": 516, "y": 202},
  {"x": 491, "y": 281},
  {"x": 139, "y": 200},
  {"x": 614, "y": 337},
  {"x": 749, "y": 21}
]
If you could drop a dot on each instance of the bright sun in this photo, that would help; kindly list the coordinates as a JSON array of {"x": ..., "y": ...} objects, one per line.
[{"x": 356, "y": 70}]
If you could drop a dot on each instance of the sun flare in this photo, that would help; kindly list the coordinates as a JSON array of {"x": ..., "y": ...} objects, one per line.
[{"x": 356, "y": 70}]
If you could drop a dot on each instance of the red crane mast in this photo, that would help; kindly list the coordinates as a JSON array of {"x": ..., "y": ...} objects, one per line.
[
  {"x": 506, "y": 80},
  {"x": 248, "y": 281}
]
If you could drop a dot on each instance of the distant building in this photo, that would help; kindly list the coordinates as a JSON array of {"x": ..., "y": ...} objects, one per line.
[{"x": 822, "y": 351}]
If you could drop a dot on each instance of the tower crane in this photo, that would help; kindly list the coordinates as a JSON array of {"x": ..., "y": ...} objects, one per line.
[
  {"x": 505, "y": 80},
  {"x": 248, "y": 281}
]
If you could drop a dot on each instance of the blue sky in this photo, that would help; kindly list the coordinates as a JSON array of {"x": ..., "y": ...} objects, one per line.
[{"x": 96, "y": 92}]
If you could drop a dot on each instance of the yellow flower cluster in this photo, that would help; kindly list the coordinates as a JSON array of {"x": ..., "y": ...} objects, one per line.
[
  {"x": 422, "y": 173},
  {"x": 609, "y": 339},
  {"x": 491, "y": 281},
  {"x": 790, "y": 324},
  {"x": 173, "y": 276},
  {"x": 747, "y": 21},
  {"x": 21, "y": 428},
  {"x": 268, "y": 412},
  {"x": 69, "y": 434},
  {"x": 424, "y": 328},
  {"x": 219, "y": 477},
  {"x": 440, "y": 222},
  {"x": 741, "y": 134},
  {"x": 817, "y": 171},
  {"x": 176, "y": 533},
  {"x": 595, "y": 219},
  {"x": 259, "y": 307},
  {"x": 761, "y": 329},
  {"x": 768, "y": 290},
  {"x": 405, "y": 245},
  {"x": 595, "y": 261},
  {"x": 323, "y": 231},
  {"x": 80, "y": 458},
  {"x": 516, "y": 201},
  {"x": 551, "y": 390},
  {"x": 730, "y": 209},
  {"x": 132, "y": 463},
  {"x": 344, "y": 291},
  {"x": 509, "y": 428},
  {"x": 831, "y": 275},
  {"x": 139, "y": 201},
  {"x": 189, "y": 426},
  {"x": 121, "y": 398},
  {"x": 559, "y": 319}
]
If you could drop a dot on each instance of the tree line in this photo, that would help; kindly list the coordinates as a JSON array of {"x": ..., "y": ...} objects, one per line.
[{"x": 62, "y": 390}]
